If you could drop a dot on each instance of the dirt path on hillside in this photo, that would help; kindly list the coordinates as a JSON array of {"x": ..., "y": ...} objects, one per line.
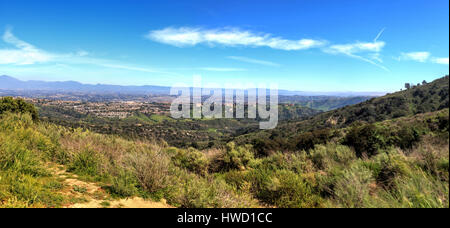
[{"x": 85, "y": 194}]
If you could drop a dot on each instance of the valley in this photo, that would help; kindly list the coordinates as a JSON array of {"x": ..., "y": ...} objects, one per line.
[{"x": 388, "y": 151}]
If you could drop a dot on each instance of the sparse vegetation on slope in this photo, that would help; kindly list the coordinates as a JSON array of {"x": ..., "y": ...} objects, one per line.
[
  {"x": 396, "y": 162},
  {"x": 429, "y": 97},
  {"x": 124, "y": 168}
]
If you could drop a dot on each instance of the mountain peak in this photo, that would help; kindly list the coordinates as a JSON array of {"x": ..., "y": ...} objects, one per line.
[{"x": 9, "y": 78}]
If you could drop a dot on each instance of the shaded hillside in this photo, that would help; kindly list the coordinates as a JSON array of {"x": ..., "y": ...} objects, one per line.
[
  {"x": 323, "y": 103},
  {"x": 429, "y": 97},
  {"x": 394, "y": 163},
  {"x": 199, "y": 133}
]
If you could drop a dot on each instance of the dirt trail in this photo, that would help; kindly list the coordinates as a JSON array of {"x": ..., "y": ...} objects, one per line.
[{"x": 90, "y": 195}]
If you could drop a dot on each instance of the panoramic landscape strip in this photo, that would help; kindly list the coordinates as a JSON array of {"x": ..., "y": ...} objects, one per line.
[{"x": 224, "y": 112}]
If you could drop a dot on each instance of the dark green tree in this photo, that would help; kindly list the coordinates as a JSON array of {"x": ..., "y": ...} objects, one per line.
[{"x": 18, "y": 105}]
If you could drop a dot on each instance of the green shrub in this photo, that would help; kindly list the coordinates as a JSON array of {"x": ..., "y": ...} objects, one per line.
[
  {"x": 421, "y": 190},
  {"x": 296, "y": 162},
  {"x": 326, "y": 182},
  {"x": 283, "y": 188},
  {"x": 9, "y": 104},
  {"x": 237, "y": 179},
  {"x": 197, "y": 193},
  {"x": 24, "y": 190},
  {"x": 19, "y": 159},
  {"x": 192, "y": 191},
  {"x": 86, "y": 163},
  {"x": 123, "y": 185},
  {"x": 12, "y": 122},
  {"x": 366, "y": 139},
  {"x": 433, "y": 159},
  {"x": 237, "y": 157},
  {"x": 265, "y": 148},
  {"x": 21, "y": 147},
  {"x": 307, "y": 141},
  {"x": 391, "y": 167},
  {"x": 191, "y": 159},
  {"x": 325, "y": 157},
  {"x": 443, "y": 168},
  {"x": 443, "y": 121},
  {"x": 151, "y": 170},
  {"x": 407, "y": 137},
  {"x": 353, "y": 188}
]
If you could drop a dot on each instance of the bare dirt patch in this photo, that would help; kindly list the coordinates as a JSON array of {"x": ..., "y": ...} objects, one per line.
[{"x": 91, "y": 195}]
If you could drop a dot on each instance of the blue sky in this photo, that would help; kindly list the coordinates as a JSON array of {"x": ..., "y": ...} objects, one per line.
[{"x": 310, "y": 45}]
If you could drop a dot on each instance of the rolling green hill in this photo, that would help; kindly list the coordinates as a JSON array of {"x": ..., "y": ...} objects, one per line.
[
  {"x": 401, "y": 162},
  {"x": 180, "y": 133},
  {"x": 429, "y": 97},
  {"x": 391, "y": 151},
  {"x": 323, "y": 103}
]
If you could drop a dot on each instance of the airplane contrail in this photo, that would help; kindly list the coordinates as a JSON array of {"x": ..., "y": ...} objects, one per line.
[{"x": 379, "y": 35}]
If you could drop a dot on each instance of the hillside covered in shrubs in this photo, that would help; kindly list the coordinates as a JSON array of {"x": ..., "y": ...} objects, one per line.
[
  {"x": 393, "y": 162},
  {"x": 303, "y": 135}
]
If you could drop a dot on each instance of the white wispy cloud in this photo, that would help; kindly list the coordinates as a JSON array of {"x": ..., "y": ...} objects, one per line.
[
  {"x": 420, "y": 56},
  {"x": 23, "y": 54},
  {"x": 189, "y": 36},
  {"x": 357, "y": 47},
  {"x": 82, "y": 53},
  {"x": 220, "y": 69},
  {"x": 440, "y": 60},
  {"x": 26, "y": 54},
  {"x": 365, "y": 51},
  {"x": 376, "y": 57},
  {"x": 255, "y": 61},
  {"x": 132, "y": 68}
]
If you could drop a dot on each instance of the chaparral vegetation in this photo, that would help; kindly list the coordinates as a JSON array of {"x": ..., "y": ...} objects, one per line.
[{"x": 390, "y": 151}]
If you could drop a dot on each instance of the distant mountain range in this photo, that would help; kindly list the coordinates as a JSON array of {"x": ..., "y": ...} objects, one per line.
[{"x": 10, "y": 83}]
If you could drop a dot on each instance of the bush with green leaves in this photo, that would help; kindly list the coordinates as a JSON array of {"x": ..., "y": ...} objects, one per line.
[
  {"x": 85, "y": 163},
  {"x": 24, "y": 190},
  {"x": 420, "y": 190},
  {"x": 407, "y": 137},
  {"x": 308, "y": 140},
  {"x": 282, "y": 188},
  {"x": 352, "y": 189},
  {"x": 22, "y": 148},
  {"x": 366, "y": 139},
  {"x": 237, "y": 157},
  {"x": 151, "y": 170},
  {"x": 18, "y": 105},
  {"x": 296, "y": 162},
  {"x": 392, "y": 166},
  {"x": 193, "y": 191},
  {"x": 326, "y": 156},
  {"x": 190, "y": 159},
  {"x": 24, "y": 179},
  {"x": 124, "y": 184}
]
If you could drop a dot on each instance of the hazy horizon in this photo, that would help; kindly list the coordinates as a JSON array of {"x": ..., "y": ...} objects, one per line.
[{"x": 357, "y": 93}]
